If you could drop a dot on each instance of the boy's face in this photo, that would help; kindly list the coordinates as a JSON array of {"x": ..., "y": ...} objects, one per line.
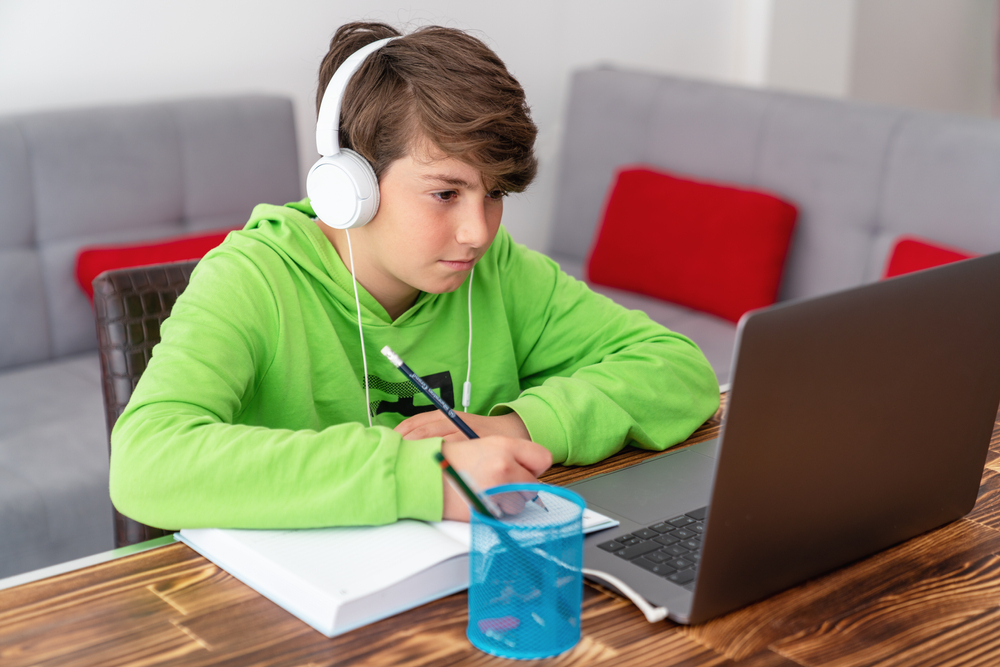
[{"x": 435, "y": 220}]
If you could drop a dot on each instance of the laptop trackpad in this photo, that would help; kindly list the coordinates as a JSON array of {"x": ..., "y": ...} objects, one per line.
[{"x": 655, "y": 489}]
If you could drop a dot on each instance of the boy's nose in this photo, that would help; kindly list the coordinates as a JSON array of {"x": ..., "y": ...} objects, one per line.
[{"x": 473, "y": 229}]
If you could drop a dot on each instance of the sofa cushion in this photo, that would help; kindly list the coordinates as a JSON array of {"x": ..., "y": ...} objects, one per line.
[
  {"x": 941, "y": 182},
  {"x": 92, "y": 261},
  {"x": 912, "y": 253},
  {"x": 94, "y": 169},
  {"x": 237, "y": 153},
  {"x": 828, "y": 157},
  {"x": 715, "y": 248},
  {"x": 54, "y": 501},
  {"x": 123, "y": 174},
  {"x": 617, "y": 117},
  {"x": 24, "y": 324}
]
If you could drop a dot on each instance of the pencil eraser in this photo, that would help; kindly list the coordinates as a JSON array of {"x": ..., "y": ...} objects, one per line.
[{"x": 392, "y": 356}]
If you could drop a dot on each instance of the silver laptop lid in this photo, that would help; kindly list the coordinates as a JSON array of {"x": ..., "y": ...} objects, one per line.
[{"x": 856, "y": 420}]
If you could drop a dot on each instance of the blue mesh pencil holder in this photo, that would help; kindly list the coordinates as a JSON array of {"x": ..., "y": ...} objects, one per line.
[{"x": 525, "y": 583}]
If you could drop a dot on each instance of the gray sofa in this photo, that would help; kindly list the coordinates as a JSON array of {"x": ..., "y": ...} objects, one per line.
[
  {"x": 97, "y": 176},
  {"x": 860, "y": 175}
]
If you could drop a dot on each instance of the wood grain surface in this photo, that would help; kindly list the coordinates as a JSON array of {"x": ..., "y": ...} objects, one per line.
[{"x": 931, "y": 601}]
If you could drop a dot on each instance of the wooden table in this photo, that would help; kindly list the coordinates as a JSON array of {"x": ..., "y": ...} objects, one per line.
[{"x": 934, "y": 600}]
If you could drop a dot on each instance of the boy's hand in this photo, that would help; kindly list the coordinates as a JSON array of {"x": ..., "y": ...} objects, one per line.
[
  {"x": 435, "y": 424},
  {"x": 491, "y": 461},
  {"x": 503, "y": 454}
]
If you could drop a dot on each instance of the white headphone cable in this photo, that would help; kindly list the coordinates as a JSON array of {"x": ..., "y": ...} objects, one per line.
[
  {"x": 361, "y": 334},
  {"x": 652, "y": 614},
  {"x": 467, "y": 387}
]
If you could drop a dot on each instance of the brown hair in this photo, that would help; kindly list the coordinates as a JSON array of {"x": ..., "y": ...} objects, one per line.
[{"x": 439, "y": 83}]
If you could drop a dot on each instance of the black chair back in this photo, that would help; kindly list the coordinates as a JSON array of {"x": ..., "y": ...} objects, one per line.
[{"x": 129, "y": 306}]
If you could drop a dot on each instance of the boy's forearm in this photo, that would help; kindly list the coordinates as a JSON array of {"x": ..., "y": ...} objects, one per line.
[
  {"x": 655, "y": 402},
  {"x": 176, "y": 471}
]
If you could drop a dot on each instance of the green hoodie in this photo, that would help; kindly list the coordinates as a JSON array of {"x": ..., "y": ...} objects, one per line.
[{"x": 251, "y": 412}]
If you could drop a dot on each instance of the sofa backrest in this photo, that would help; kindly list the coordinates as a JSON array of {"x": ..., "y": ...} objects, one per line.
[
  {"x": 860, "y": 174},
  {"x": 116, "y": 175}
]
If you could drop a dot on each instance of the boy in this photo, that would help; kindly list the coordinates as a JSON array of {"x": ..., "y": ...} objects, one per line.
[{"x": 259, "y": 408}]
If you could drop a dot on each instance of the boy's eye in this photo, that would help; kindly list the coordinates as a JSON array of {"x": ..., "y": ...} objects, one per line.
[
  {"x": 447, "y": 195},
  {"x": 496, "y": 194}
]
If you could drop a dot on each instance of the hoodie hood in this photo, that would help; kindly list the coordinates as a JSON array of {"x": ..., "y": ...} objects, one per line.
[{"x": 292, "y": 231}]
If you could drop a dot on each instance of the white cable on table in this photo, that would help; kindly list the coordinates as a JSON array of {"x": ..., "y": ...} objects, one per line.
[{"x": 652, "y": 614}]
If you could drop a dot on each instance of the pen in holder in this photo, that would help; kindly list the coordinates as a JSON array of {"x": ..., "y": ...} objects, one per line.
[{"x": 526, "y": 584}]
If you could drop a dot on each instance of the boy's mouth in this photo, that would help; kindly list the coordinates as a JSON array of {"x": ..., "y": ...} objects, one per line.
[{"x": 459, "y": 265}]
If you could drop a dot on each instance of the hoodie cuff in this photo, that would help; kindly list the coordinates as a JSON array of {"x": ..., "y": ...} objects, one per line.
[
  {"x": 419, "y": 488},
  {"x": 542, "y": 422}
]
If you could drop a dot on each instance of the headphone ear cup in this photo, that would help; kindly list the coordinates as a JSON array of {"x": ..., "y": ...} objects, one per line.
[{"x": 343, "y": 190}]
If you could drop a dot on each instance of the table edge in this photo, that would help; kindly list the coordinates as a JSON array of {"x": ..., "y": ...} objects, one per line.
[{"x": 86, "y": 561}]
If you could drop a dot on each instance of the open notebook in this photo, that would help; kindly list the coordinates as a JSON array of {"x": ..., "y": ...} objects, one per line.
[{"x": 339, "y": 579}]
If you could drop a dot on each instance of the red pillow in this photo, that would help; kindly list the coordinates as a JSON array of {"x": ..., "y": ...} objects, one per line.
[
  {"x": 94, "y": 260},
  {"x": 912, "y": 253},
  {"x": 715, "y": 248}
]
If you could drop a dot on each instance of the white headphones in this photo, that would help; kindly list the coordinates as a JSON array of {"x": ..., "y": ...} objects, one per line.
[
  {"x": 342, "y": 185},
  {"x": 343, "y": 190}
]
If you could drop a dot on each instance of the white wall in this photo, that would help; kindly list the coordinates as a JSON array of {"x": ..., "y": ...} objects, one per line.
[
  {"x": 66, "y": 53},
  {"x": 931, "y": 54},
  {"x": 936, "y": 54},
  {"x": 940, "y": 55},
  {"x": 752, "y": 27},
  {"x": 810, "y": 46}
]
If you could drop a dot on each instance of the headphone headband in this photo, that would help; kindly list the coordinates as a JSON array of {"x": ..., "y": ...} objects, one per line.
[{"x": 328, "y": 123}]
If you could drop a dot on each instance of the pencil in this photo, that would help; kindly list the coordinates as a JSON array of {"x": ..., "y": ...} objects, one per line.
[
  {"x": 478, "y": 501},
  {"x": 429, "y": 393},
  {"x": 439, "y": 403}
]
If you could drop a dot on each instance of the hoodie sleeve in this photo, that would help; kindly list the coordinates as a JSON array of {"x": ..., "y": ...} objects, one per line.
[
  {"x": 183, "y": 454},
  {"x": 594, "y": 375}
]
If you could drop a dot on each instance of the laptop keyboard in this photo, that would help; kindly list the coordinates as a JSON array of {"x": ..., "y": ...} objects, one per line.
[{"x": 670, "y": 549}]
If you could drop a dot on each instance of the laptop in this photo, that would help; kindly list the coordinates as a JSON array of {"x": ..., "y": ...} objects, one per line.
[{"x": 856, "y": 420}]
